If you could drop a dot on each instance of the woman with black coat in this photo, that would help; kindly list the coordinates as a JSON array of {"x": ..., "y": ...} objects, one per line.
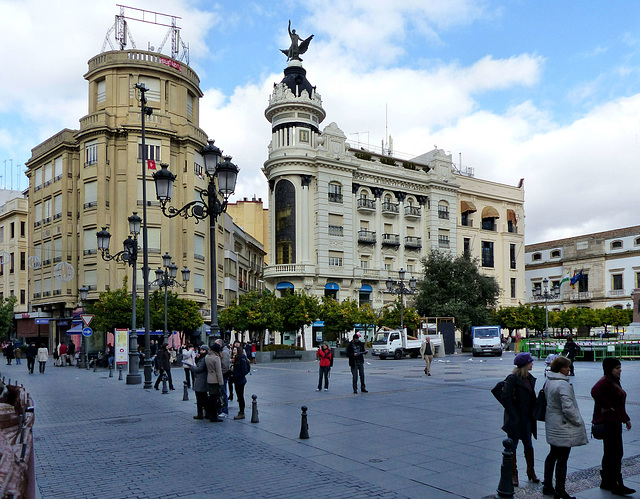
[
  {"x": 518, "y": 399},
  {"x": 200, "y": 372},
  {"x": 239, "y": 371}
]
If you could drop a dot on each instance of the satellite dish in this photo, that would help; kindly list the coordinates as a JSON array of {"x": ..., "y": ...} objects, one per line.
[
  {"x": 33, "y": 262},
  {"x": 64, "y": 271}
]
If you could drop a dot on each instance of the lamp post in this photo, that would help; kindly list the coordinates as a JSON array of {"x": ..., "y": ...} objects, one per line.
[
  {"x": 545, "y": 294},
  {"x": 84, "y": 292},
  {"x": 128, "y": 255},
  {"x": 398, "y": 287},
  {"x": 145, "y": 111},
  {"x": 209, "y": 206},
  {"x": 166, "y": 278}
]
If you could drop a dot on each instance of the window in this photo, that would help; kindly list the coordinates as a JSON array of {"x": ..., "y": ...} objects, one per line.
[
  {"x": 23, "y": 297},
  {"x": 198, "y": 247},
  {"x": 637, "y": 241},
  {"x": 335, "y": 225},
  {"x": 57, "y": 169},
  {"x": 537, "y": 288},
  {"x": 48, "y": 174},
  {"x": 637, "y": 279},
  {"x": 513, "y": 287},
  {"x": 102, "y": 91},
  {"x": 488, "y": 223},
  {"x": 90, "y": 195},
  {"x": 153, "y": 84},
  {"x": 47, "y": 210},
  {"x": 536, "y": 256},
  {"x": 285, "y": 219},
  {"x": 37, "y": 215},
  {"x": 90, "y": 242},
  {"x": 487, "y": 254},
  {"x": 57, "y": 250},
  {"x": 153, "y": 237},
  {"x": 91, "y": 153},
  {"x": 364, "y": 263},
  {"x": 189, "y": 104},
  {"x": 466, "y": 246},
  {"x": 304, "y": 136},
  {"x": 388, "y": 263},
  {"x": 617, "y": 282},
  {"x": 37, "y": 291},
  {"x": 12, "y": 230},
  {"x": 91, "y": 279},
  {"x": 2, "y": 234},
  {"x": 23, "y": 260},
  {"x": 153, "y": 150},
  {"x": 443, "y": 211},
  {"x": 443, "y": 238},
  {"x": 335, "y": 258},
  {"x": 23, "y": 230},
  {"x": 12, "y": 264},
  {"x": 38, "y": 180},
  {"x": 583, "y": 284},
  {"x": 616, "y": 245},
  {"x": 57, "y": 207},
  {"x": 555, "y": 254},
  {"x": 465, "y": 219},
  {"x": 46, "y": 287},
  {"x": 512, "y": 256},
  {"x": 335, "y": 193},
  {"x": 198, "y": 283}
]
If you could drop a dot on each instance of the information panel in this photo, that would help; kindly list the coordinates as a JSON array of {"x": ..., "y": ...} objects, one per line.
[{"x": 121, "y": 346}]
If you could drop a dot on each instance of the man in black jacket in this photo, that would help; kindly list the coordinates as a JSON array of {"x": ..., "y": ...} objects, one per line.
[{"x": 356, "y": 353}]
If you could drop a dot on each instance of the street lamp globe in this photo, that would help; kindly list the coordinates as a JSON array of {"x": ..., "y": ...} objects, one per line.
[
  {"x": 211, "y": 155},
  {"x": 401, "y": 274},
  {"x": 103, "y": 239},
  {"x": 389, "y": 284},
  {"x": 413, "y": 283},
  {"x": 186, "y": 274},
  {"x": 84, "y": 292},
  {"x": 134, "y": 223},
  {"x": 159, "y": 274},
  {"x": 227, "y": 174},
  {"x": 164, "y": 179},
  {"x": 173, "y": 270},
  {"x": 166, "y": 259}
]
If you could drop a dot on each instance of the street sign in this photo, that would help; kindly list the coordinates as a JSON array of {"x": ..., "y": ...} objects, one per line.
[
  {"x": 42, "y": 321},
  {"x": 86, "y": 319},
  {"x": 87, "y": 331}
]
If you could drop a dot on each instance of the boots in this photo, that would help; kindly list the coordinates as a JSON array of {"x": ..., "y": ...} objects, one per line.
[
  {"x": 239, "y": 416},
  {"x": 547, "y": 486},
  {"x": 620, "y": 489},
  {"x": 561, "y": 479},
  {"x": 606, "y": 483},
  {"x": 531, "y": 473},
  {"x": 514, "y": 471}
]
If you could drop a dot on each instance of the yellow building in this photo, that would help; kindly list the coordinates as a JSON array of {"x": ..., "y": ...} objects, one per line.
[{"x": 253, "y": 218}]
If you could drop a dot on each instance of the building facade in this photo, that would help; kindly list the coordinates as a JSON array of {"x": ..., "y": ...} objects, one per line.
[
  {"x": 85, "y": 179},
  {"x": 253, "y": 218},
  {"x": 609, "y": 261},
  {"x": 343, "y": 220}
]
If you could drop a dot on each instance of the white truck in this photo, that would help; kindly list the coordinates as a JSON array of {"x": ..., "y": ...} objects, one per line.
[
  {"x": 396, "y": 343},
  {"x": 486, "y": 340}
]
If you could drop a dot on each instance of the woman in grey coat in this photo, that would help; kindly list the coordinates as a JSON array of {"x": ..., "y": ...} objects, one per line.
[{"x": 563, "y": 424}]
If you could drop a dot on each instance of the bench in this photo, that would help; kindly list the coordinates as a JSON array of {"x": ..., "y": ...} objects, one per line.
[{"x": 286, "y": 354}]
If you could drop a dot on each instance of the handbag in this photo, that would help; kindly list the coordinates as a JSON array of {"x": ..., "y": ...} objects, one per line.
[
  {"x": 540, "y": 407},
  {"x": 497, "y": 391},
  {"x": 598, "y": 431}
]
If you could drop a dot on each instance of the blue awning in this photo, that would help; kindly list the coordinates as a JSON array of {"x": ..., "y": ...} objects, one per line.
[
  {"x": 284, "y": 285},
  {"x": 318, "y": 324},
  {"x": 365, "y": 288},
  {"x": 77, "y": 329},
  {"x": 332, "y": 286}
]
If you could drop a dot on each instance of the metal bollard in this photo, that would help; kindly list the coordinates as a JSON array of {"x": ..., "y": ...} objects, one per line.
[
  {"x": 185, "y": 395},
  {"x": 254, "y": 409},
  {"x": 119, "y": 373},
  {"x": 304, "y": 428},
  {"x": 95, "y": 366},
  {"x": 505, "y": 486},
  {"x": 165, "y": 390},
  {"x": 110, "y": 372}
]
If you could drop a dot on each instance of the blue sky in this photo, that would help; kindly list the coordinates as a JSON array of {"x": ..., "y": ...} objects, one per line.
[{"x": 541, "y": 90}]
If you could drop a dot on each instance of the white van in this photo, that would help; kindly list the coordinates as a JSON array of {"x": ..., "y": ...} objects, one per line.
[{"x": 486, "y": 340}]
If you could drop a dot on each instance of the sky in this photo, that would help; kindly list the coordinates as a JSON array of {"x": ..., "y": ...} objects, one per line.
[{"x": 541, "y": 90}]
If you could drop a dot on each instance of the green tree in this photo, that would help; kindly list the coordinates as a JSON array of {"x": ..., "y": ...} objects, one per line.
[
  {"x": 339, "y": 317},
  {"x": 183, "y": 315},
  {"x": 112, "y": 310},
  {"x": 588, "y": 317},
  {"x": 454, "y": 287},
  {"x": 369, "y": 319},
  {"x": 391, "y": 316},
  {"x": 6, "y": 316},
  {"x": 252, "y": 312},
  {"x": 297, "y": 310},
  {"x": 514, "y": 318}
]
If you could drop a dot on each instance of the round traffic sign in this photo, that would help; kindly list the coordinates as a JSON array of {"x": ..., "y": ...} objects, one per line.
[{"x": 87, "y": 331}]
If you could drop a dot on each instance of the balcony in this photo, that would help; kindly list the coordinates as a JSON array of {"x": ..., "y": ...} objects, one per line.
[
  {"x": 366, "y": 236},
  {"x": 579, "y": 296},
  {"x": 365, "y": 204},
  {"x": 390, "y": 240},
  {"x": 412, "y": 211},
  {"x": 617, "y": 292},
  {"x": 390, "y": 208},
  {"x": 465, "y": 222},
  {"x": 335, "y": 230},
  {"x": 288, "y": 270},
  {"x": 443, "y": 242},
  {"x": 413, "y": 242},
  {"x": 335, "y": 197}
]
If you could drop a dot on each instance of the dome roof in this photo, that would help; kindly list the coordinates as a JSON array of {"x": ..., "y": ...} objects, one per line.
[{"x": 295, "y": 77}]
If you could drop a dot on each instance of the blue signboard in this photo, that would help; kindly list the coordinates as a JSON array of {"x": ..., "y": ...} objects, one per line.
[
  {"x": 42, "y": 321},
  {"x": 87, "y": 331}
]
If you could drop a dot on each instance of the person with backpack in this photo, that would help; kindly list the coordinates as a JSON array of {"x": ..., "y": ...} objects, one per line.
[
  {"x": 325, "y": 355},
  {"x": 518, "y": 398}
]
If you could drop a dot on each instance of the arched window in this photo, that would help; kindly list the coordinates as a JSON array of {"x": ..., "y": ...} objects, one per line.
[
  {"x": 555, "y": 254},
  {"x": 616, "y": 245},
  {"x": 335, "y": 192},
  {"x": 536, "y": 256},
  {"x": 285, "y": 219},
  {"x": 489, "y": 216}
]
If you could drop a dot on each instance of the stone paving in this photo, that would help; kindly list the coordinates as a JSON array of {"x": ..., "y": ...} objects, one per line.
[{"x": 410, "y": 436}]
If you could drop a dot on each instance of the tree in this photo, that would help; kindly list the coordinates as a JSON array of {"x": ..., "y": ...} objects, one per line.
[
  {"x": 111, "y": 310},
  {"x": 339, "y": 317},
  {"x": 369, "y": 318},
  {"x": 252, "y": 312},
  {"x": 514, "y": 318},
  {"x": 298, "y": 310},
  {"x": 454, "y": 287},
  {"x": 391, "y": 316},
  {"x": 6, "y": 316}
]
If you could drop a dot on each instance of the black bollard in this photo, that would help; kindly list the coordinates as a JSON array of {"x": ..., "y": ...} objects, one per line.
[
  {"x": 254, "y": 409},
  {"x": 505, "y": 486},
  {"x": 185, "y": 395},
  {"x": 95, "y": 366},
  {"x": 165, "y": 390},
  {"x": 119, "y": 373},
  {"x": 304, "y": 428},
  {"x": 110, "y": 372}
]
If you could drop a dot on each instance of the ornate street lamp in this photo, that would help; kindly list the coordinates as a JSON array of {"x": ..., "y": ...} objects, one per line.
[
  {"x": 543, "y": 293},
  {"x": 398, "y": 287},
  {"x": 84, "y": 293},
  {"x": 128, "y": 255},
  {"x": 166, "y": 278},
  {"x": 225, "y": 175}
]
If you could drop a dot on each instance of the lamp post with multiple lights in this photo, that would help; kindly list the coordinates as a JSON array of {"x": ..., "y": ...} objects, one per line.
[
  {"x": 398, "y": 287},
  {"x": 543, "y": 293},
  {"x": 166, "y": 278},
  {"x": 222, "y": 183},
  {"x": 128, "y": 255}
]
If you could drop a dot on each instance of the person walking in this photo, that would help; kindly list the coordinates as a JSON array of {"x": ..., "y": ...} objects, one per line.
[
  {"x": 71, "y": 352},
  {"x": 239, "y": 370},
  {"x": 62, "y": 354},
  {"x": 43, "y": 357},
  {"x": 518, "y": 399},
  {"x": 164, "y": 366},
  {"x": 427, "y": 354},
  {"x": 9, "y": 352},
  {"x": 571, "y": 349},
  {"x": 32, "y": 352},
  {"x": 17, "y": 352},
  {"x": 189, "y": 355},
  {"x": 199, "y": 371},
  {"x": 609, "y": 410},
  {"x": 356, "y": 353},
  {"x": 214, "y": 380},
  {"x": 564, "y": 427},
  {"x": 325, "y": 355}
]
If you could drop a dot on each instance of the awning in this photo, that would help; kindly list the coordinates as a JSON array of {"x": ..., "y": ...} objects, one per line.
[
  {"x": 490, "y": 212},
  {"x": 332, "y": 286},
  {"x": 284, "y": 285},
  {"x": 467, "y": 207},
  {"x": 365, "y": 288},
  {"x": 318, "y": 324},
  {"x": 77, "y": 329},
  {"x": 511, "y": 216}
]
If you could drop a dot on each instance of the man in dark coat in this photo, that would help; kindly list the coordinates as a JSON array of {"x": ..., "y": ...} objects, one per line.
[
  {"x": 356, "y": 353},
  {"x": 164, "y": 366},
  {"x": 8, "y": 352},
  {"x": 71, "y": 352},
  {"x": 32, "y": 352}
]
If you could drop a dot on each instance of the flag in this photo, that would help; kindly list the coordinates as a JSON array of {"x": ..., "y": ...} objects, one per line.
[
  {"x": 576, "y": 277},
  {"x": 565, "y": 278},
  {"x": 151, "y": 164}
]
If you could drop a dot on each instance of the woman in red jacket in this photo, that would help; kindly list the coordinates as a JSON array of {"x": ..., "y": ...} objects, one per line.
[
  {"x": 609, "y": 409},
  {"x": 325, "y": 355}
]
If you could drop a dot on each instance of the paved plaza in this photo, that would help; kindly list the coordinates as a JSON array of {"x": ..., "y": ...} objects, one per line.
[{"x": 410, "y": 436}]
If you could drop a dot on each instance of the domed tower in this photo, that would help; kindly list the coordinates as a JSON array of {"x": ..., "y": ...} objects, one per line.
[{"x": 295, "y": 113}]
